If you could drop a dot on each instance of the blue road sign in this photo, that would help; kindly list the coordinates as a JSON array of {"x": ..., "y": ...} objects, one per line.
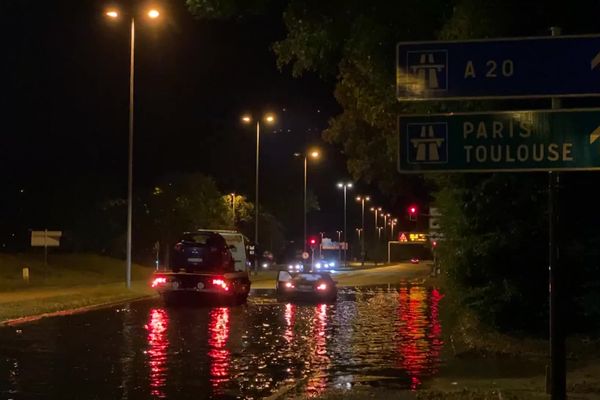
[
  {"x": 521, "y": 67},
  {"x": 540, "y": 140}
]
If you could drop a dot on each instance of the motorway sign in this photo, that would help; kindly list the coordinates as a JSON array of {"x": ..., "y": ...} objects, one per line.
[
  {"x": 500, "y": 68},
  {"x": 500, "y": 141}
]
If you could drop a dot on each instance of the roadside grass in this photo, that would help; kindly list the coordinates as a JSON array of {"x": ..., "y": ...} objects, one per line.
[
  {"x": 69, "y": 281},
  {"x": 64, "y": 270}
]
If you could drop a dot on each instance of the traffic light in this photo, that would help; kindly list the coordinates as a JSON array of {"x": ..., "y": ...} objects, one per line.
[
  {"x": 412, "y": 212},
  {"x": 313, "y": 242}
]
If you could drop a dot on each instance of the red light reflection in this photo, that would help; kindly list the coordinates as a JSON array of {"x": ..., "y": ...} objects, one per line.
[
  {"x": 219, "y": 355},
  {"x": 158, "y": 344},
  {"x": 419, "y": 333}
]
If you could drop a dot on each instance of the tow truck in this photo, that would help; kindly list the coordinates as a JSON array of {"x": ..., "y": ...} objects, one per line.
[{"x": 206, "y": 266}]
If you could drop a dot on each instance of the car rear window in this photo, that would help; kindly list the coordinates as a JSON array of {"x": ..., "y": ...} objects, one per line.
[{"x": 197, "y": 238}]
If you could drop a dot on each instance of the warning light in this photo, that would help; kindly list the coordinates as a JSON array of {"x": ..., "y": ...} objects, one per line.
[{"x": 434, "y": 243}]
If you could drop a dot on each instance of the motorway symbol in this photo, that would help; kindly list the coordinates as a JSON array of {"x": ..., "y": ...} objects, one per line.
[
  {"x": 499, "y": 68},
  {"x": 541, "y": 140}
]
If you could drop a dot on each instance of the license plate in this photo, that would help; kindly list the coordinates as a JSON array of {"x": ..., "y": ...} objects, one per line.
[
  {"x": 304, "y": 287},
  {"x": 195, "y": 260}
]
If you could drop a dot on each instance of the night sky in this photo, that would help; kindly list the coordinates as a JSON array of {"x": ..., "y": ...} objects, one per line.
[{"x": 64, "y": 108}]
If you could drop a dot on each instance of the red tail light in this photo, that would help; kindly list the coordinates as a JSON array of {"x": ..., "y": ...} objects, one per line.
[
  {"x": 322, "y": 286},
  {"x": 289, "y": 285},
  {"x": 178, "y": 247},
  {"x": 221, "y": 283},
  {"x": 161, "y": 280}
]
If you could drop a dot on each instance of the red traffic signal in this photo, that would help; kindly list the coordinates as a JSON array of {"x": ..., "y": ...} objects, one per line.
[
  {"x": 313, "y": 241},
  {"x": 412, "y": 212}
]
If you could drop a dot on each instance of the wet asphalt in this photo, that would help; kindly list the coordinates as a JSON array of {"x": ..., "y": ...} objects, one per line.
[{"x": 143, "y": 350}]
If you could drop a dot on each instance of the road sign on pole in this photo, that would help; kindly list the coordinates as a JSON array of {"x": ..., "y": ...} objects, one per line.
[
  {"x": 499, "y": 68},
  {"x": 549, "y": 140}
]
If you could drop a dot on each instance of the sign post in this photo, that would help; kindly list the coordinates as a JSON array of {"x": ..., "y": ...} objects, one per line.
[{"x": 45, "y": 239}]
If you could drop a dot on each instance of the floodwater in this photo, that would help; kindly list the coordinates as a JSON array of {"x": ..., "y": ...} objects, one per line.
[{"x": 143, "y": 350}]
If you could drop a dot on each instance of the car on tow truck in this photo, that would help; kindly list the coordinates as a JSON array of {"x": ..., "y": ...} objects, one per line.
[
  {"x": 206, "y": 266},
  {"x": 306, "y": 286}
]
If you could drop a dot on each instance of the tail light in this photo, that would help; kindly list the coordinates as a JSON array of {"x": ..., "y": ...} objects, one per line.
[
  {"x": 178, "y": 247},
  {"x": 322, "y": 286},
  {"x": 161, "y": 280},
  {"x": 221, "y": 284},
  {"x": 289, "y": 285}
]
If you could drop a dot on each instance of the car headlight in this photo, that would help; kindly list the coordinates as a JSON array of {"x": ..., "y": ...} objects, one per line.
[
  {"x": 290, "y": 266},
  {"x": 298, "y": 266},
  {"x": 318, "y": 265},
  {"x": 332, "y": 264},
  {"x": 265, "y": 265}
]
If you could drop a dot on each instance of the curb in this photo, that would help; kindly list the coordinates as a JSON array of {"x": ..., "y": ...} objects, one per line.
[{"x": 78, "y": 310}]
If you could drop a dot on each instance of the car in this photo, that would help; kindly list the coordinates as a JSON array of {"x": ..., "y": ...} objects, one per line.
[
  {"x": 326, "y": 264},
  {"x": 294, "y": 265},
  {"x": 414, "y": 260},
  {"x": 206, "y": 266},
  {"x": 305, "y": 286}
]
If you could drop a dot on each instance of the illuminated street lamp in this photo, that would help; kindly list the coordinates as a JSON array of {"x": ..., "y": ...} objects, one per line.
[
  {"x": 233, "y": 207},
  {"x": 376, "y": 210},
  {"x": 248, "y": 119},
  {"x": 314, "y": 154},
  {"x": 362, "y": 199},
  {"x": 114, "y": 14},
  {"x": 393, "y": 223},
  {"x": 345, "y": 186}
]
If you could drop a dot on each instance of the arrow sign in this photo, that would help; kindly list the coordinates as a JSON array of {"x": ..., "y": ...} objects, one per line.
[
  {"x": 551, "y": 140},
  {"x": 518, "y": 67}
]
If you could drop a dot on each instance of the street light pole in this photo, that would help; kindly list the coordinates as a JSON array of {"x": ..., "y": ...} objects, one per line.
[
  {"x": 339, "y": 233},
  {"x": 269, "y": 118},
  {"x": 362, "y": 200},
  {"x": 392, "y": 225},
  {"x": 345, "y": 187},
  {"x": 304, "y": 215},
  {"x": 114, "y": 14},
  {"x": 256, "y": 188},
  {"x": 233, "y": 208},
  {"x": 130, "y": 157}
]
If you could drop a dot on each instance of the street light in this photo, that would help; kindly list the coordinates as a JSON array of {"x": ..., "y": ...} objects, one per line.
[
  {"x": 362, "y": 199},
  {"x": 314, "y": 154},
  {"x": 358, "y": 231},
  {"x": 385, "y": 217},
  {"x": 114, "y": 14},
  {"x": 232, "y": 208},
  {"x": 339, "y": 233},
  {"x": 393, "y": 223},
  {"x": 345, "y": 186},
  {"x": 247, "y": 119}
]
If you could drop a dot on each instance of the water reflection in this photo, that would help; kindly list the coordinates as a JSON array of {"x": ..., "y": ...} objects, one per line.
[
  {"x": 419, "y": 331},
  {"x": 158, "y": 344},
  {"x": 218, "y": 334},
  {"x": 317, "y": 382},
  {"x": 246, "y": 352}
]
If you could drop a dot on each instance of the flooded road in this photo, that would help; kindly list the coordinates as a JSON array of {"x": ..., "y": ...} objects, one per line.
[{"x": 144, "y": 350}]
